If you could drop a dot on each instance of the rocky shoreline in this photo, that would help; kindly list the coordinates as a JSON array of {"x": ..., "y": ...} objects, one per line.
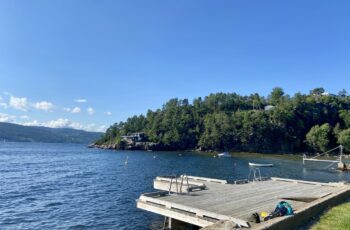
[{"x": 147, "y": 146}]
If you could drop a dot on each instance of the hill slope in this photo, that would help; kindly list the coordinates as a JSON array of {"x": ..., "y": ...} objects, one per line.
[
  {"x": 279, "y": 123},
  {"x": 20, "y": 133}
]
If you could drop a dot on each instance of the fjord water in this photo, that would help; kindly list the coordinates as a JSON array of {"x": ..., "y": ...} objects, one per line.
[{"x": 68, "y": 186}]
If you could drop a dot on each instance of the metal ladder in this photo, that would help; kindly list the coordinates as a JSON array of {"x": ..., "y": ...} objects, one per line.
[
  {"x": 174, "y": 179},
  {"x": 255, "y": 173}
]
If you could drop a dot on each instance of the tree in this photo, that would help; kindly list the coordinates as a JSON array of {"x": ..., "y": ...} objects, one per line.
[
  {"x": 234, "y": 122},
  {"x": 217, "y": 132},
  {"x": 344, "y": 138},
  {"x": 345, "y": 117},
  {"x": 276, "y": 95},
  {"x": 318, "y": 137},
  {"x": 343, "y": 93},
  {"x": 317, "y": 91}
]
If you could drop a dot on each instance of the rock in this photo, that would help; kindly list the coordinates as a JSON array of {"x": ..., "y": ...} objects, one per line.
[{"x": 221, "y": 225}]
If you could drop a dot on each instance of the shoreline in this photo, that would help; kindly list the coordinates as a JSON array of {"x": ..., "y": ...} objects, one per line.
[{"x": 207, "y": 153}]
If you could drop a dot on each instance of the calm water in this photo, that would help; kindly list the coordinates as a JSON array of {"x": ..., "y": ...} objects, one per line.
[{"x": 67, "y": 186}]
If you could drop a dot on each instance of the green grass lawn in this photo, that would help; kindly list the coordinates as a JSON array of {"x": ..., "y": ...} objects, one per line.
[{"x": 335, "y": 218}]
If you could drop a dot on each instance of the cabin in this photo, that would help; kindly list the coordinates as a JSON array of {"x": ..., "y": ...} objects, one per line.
[
  {"x": 269, "y": 107},
  {"x": 134, "y": 137}
]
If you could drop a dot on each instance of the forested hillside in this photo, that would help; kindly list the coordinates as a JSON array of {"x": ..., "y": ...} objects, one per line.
[
  {"x": 20, "y": 133},
  {"x": 228, "y": 121}
]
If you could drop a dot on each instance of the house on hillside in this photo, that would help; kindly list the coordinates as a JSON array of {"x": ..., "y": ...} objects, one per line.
[
  {"x": 269, "y": 107},
  {"x": 134, "y": 137}
]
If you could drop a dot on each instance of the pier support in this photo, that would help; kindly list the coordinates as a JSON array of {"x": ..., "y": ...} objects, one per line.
[{"x": 169, "y": 223}]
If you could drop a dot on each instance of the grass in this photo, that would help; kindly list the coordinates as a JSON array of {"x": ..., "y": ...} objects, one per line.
[{"x": 335, "y": 218}]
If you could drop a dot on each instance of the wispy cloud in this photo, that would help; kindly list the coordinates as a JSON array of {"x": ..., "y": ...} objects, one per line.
[
  {"x": 7, "y": 118},
  {"x": 90, "y": 111},
  {"x": 108, "y": 113},
  {"x": 80, "y": 100},
  {"x": 76, "y": 110},
  {"x": 44, "y": 105},
  {"x": 67, "y": 109},
  {"x": 24, "y": 117},
  {"x": 3, "y": 105},
  {"x": 19, "y": 103},
  {"x": 58, "y": 123}
]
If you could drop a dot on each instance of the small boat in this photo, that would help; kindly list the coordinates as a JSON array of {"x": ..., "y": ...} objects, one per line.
[
  {"x": 224, "y": 154},
  {"x": 259, "y": 165}
]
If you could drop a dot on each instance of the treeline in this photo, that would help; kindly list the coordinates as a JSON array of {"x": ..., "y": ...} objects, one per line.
[{"x": 228, "y": 121}]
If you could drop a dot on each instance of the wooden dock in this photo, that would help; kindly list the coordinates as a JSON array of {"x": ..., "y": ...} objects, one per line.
[{"x": 204, "y": 202}]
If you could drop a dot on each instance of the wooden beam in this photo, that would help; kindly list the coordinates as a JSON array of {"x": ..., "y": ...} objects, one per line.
[
  {"x": 339, "y": 184},
  {"x": 195, "y": 220},
  {"x": 196, "y": 211},
  {"x": 206, "y": 179}
]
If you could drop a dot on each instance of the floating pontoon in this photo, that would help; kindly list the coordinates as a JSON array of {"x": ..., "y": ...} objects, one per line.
[{"x": 207, "y": 202}]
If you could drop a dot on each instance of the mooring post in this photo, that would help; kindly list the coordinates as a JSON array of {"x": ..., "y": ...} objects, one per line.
[
  {"x": 169, "y": 223},
  {"x": 341, "y": 153}
]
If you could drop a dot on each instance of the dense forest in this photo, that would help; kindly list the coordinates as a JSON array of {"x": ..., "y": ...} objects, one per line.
[{"x": 277, "y": 123}]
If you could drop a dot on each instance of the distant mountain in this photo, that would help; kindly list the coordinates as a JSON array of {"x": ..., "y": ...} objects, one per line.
[{"x": 20, "y": 133}]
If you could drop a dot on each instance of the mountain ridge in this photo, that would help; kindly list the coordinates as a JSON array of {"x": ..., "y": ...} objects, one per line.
[{"x": 21, "y": 133}]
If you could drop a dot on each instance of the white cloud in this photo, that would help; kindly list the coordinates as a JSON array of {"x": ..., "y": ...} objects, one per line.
[
  {"x": 90, "y": 111},
  {"x": 108, "y": 113},
  {"x": 59, "y": 123},
  {"x": 66, "y": 123},
  {"x": 19, "y": 103},
  {"x": 91, "y": 126},
  {"x": 24, "y": 117},
  {"x": 31, "y": 123},
  {"x": 7, "y": 118},
  {"x": 95, "y": 128},
  {"x": 3, "y": 104},
  {"x": 44, "y": 105},
  {"x": 76, "y": 110},
  {"x": 80, "y": 100},
  {"x": 67, "y": 109},
  {"x": 6, "y": 93},
  {"x": 102, "y": 128}
]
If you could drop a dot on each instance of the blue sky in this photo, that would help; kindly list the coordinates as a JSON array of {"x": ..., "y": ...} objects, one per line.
[{"x": 124, "y": 57}]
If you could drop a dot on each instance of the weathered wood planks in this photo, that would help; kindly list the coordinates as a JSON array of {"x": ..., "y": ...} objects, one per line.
[{"x": 219, "y": 200}]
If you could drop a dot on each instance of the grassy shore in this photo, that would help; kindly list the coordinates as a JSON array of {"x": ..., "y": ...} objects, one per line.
[{"x": 336, "y": 218}]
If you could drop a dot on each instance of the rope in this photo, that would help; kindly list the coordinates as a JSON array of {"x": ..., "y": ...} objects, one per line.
[
  {"x": 326, "y": 152},
  {"x": 329, "y": 165}
]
